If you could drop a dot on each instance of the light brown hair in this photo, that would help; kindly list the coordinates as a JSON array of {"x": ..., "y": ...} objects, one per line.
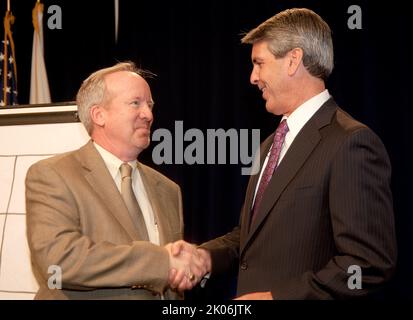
[{"x": 298, "y": 28}]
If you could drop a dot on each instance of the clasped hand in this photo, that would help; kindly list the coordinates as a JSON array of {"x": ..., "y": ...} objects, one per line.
[{"x": 188, "y": 265}]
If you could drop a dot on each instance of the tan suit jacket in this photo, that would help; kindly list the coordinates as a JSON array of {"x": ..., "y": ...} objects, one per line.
[
  {"x": 327, "y": 207},
  {"x": 77, "y": 220}
]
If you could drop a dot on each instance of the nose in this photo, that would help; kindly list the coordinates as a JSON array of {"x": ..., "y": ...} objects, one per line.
[
  {"x": 146, "y": 113},
  {"x": 254, "y": 77}
]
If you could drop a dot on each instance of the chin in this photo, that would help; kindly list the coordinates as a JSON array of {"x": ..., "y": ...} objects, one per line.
[
  {"x": 141, "y": 143},
  {"x": 273, "y": 109},
  {"x": 145, "y": 143}
]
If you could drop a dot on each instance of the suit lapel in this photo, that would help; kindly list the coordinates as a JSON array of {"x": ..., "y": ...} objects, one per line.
[
  {"x": 101, "y": 181},
  {"x": 301, "y": 148},
  {"x": 246, "y": 214}
]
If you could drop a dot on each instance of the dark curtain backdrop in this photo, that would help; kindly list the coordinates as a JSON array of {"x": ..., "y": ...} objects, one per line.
[{"x": 203, "y": 79}]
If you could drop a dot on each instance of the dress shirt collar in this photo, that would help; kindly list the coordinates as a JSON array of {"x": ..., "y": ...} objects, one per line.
[
  {"x": 303, "y": 113},
  {"x": 112, "y": 162}
]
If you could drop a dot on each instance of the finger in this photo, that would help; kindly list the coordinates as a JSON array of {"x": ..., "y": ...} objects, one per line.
[
  {"x": 177, "y": 247},
  {"x": 179, "y": 277},
  {"x": 199, "y": 267},
  {"x": 196, "y": 272},
  {"x": 172, "y": 275},
  {"x": 199, "y": 264},
  {"x": 185, "y": 285},
  {"x": 205, "y": 257}
]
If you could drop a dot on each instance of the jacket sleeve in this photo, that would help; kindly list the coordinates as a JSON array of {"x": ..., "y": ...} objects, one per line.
[{"x": 224, "y": 251}]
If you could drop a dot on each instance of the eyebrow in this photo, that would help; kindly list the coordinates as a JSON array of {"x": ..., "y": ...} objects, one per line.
[
  {"x": 140, "y": 98},
  {"x": 257, "y": 59}
]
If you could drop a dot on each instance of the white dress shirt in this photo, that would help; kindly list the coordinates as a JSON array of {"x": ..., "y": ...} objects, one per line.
[
  {"x": 296, "y": 122},
  {"x": 113, "y": 164}
]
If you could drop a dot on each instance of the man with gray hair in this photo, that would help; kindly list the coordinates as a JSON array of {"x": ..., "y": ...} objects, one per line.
[
  {"x": 317, "y": 221},
  {"x": 105, "y": 219}
]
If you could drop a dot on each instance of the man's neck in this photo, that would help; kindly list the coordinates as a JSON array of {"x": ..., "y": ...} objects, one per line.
[
  {"x": 116, "y": 149},
  {"x": 304, "y": 91}
]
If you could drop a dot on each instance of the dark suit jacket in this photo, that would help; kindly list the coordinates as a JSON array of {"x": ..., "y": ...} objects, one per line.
[
  {"x": 328, "y": 206},
  {"x": 76, "y": 219}
]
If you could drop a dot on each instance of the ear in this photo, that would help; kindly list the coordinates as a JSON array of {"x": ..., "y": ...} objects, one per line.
[
  {"x": 97, "y": 115},
  {"x": 296, "y": 58}
]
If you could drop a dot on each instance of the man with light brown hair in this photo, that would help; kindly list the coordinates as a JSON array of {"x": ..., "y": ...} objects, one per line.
[{"x": 98, "y": 214}]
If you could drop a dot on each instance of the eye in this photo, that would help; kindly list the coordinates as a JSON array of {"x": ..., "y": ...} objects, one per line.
[
  {"x": 138, "y": 103},
  {"x": 257, "y": 62},
  {"x": 135, "y": 103}
]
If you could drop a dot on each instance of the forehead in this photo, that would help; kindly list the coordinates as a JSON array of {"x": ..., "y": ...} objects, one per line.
[
  {"x": 126, "y": 81},
  {"x": 260, "y": 50}
]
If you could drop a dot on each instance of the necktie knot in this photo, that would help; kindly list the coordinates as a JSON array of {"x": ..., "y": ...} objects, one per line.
[
  {"x": 281, "y": 131},
  {"x": 125, "y": 170}
]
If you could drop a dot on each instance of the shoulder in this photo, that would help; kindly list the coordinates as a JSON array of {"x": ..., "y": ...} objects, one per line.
[
  {"x": 353, "y": 137},
  {"x": 340, "y": 132},
  {"x": 157, "y": 177},
  {"x": 53, "y": 161},
  {"x": 346, "y": 123},
  {"x": 58, "y": 163},
  {"x": 344, "y": 127}
]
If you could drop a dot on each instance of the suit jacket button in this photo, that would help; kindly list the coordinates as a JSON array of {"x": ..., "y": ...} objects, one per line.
[{"x": 244, "y": 265}]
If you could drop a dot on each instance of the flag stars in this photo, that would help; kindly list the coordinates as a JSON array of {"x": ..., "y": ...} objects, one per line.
[{"x": 8, "y": 83}]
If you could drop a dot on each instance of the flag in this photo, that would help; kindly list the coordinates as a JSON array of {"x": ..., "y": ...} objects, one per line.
[
  {"x": 39, "y": 86},
  {"x": 8, "y": 72},
  {"x": 116, "y": 20}
]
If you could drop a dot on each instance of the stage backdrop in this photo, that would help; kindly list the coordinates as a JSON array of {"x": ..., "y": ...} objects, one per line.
[{"x": 27, "y": 135}]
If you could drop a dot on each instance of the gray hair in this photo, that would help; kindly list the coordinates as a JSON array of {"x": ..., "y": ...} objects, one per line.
[
  {"x": 93, "y": 90},
  {"x": 298, "y": 28}
]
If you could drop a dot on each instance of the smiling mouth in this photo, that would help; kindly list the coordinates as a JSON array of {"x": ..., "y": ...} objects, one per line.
[
  {"x": 263, "y": 91},
  {"x": 262, "y": 88},
  {"x": 144, "y": 129}
]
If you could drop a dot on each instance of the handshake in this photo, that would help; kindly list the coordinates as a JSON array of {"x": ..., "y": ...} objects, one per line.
[{"x": 188, "y": 265}]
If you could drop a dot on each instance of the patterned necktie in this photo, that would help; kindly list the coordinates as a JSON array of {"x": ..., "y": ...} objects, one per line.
[
  {"x": 277, "y": 144},
  {"x": 130, "y": 200}
]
